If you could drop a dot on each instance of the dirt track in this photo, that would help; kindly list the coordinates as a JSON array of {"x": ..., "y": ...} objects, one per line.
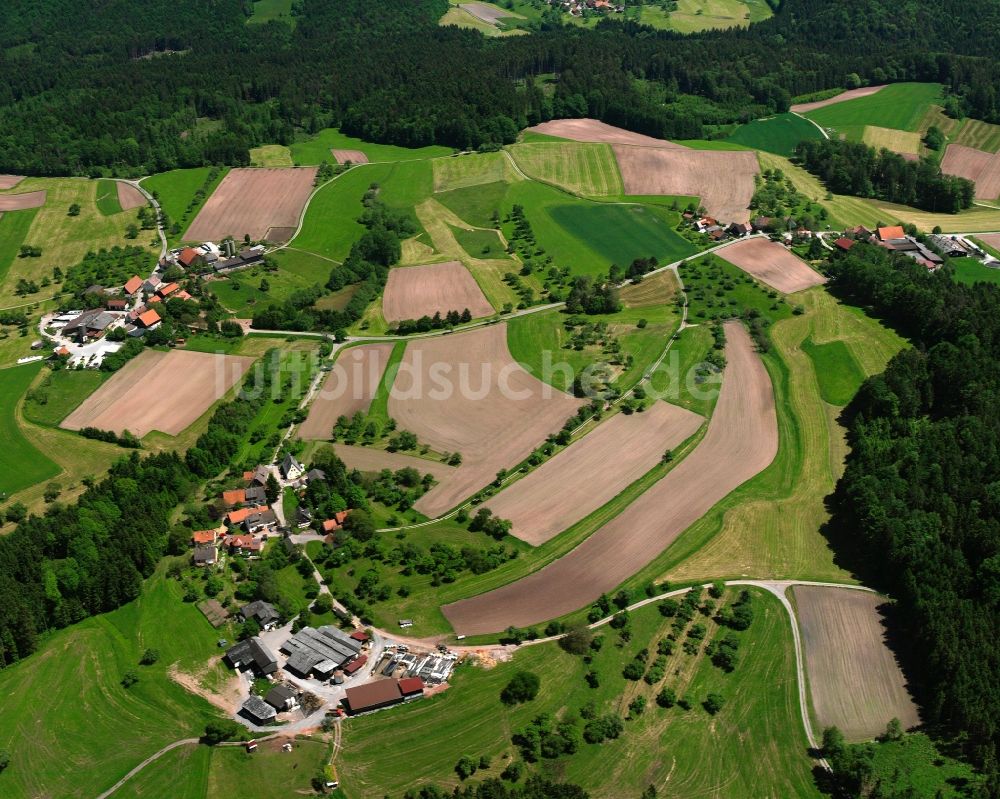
[
  {"x": 592, "y": 471},
  {"x": 464, "y": 393},
  {"x": 129, "y": 196},
  {"x": 415, "y": 291},
  {"x": 9, "y": 181},
  {"x": 854, "y": 679},
  {"x": 741, "y": 441},
  {"x": 593, "y": 130},
  {"x": 980, "y": 167},
  {"x": 723, "y": 179},
  {"x": 354, "y": 156},
  {"x": 366, "y": 459},
  {"x": 21, "y": 202},
  {"x": 348, "y": 388},
  {"x": 253, "y": 201},
  {"x": 852, "y": 94},
  {"x": 772, "y": 264},
  {"x": 165, "y": 391}
]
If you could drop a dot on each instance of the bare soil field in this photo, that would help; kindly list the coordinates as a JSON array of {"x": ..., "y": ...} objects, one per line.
[
  {"x": 129, "y": 196},
  {"x": 592, "y": 471},
  {"x": 464, "y": 393},
  {"x": 488, "y": 13},
  {"x": 722, "y": 178},
  {"x": 366, "y": 459},
  {"x": 253, "y": 201},
  {"x": 354, "y": 156},
  {"x": 852, "y": 94},
  {"x": 279, "y": 235},
  {"x": 348, "y": 389},
  {"x": 415, "y": 291},
  {"x": 741, "y": 441},
  {"x": 854, "y": 679},
  {"x": 21, "y": 202},
  {"x": 594, "y": 130},
  {"x": 993, "y": 239},
  {"x": 772, "y": 264},
  {"x": 164, "y": 391},
  {"x": 980, "y": 167},
  {"x": 9, "y": 181}
]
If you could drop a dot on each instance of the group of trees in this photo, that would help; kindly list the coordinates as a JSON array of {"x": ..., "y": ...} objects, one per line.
[
  {"x": 854, "y": 168},
  {"x": 917, "y": 511}
]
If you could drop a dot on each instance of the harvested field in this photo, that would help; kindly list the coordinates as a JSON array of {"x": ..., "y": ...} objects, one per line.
[
  {"x": 854, "y": 679},
  {"x": 348, "y": 389},
  {"x": 723, "y": 179},
  {"x": 354, "y": 156},
  {"x": 741, "y": 441},
  {"x": 771, "y": 263},
  {"x": 659, "y": 289},
  {"x": 164, "y": 391},
  {"x": 279, "y": 235},
  {"x": 9, "y": 181},
  {"x": 992, "y": 239},
  {"x": 415, "y": 291},
  {"x": 366, "y": 459},
  {"x": 129, "y": 196},
  {"x": 592, "y": 471},
  {"x": 21, "y": 202},
  {"x": 488, "y": 13},
  {"x": 253, "y": 201},
  {"x": 464, "y": 393},
  {"x": 853, "y": 94},
  {"x": 980, "y": 167},
  {"x": 593, "y": 130},
  {"x": 906, "y": 143},
  {"x": 586, "y": 168}
]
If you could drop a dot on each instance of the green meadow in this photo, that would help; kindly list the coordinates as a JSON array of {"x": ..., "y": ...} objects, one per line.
[
  {"x": 107, "y": 197},
  {"x": 778, "y": 134},
  {"x": 175, "y": 190},
  {"x": 316, "y": 149},
  {"x": 60, "y": 394},
  {"x": 21, "y": 464},
  {"x": 902, "y": 106},
  {"x": 838, "y": 373}
]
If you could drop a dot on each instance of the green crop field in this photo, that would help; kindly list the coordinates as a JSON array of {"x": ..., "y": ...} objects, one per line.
[
  {"x": 585, "y": 168},
  {"x": 14, "y": 226},
  {"x": 754, "y": 746},
  {"x": 475, "y": 204},
  {"x": 90, "y": 730},
  {"x": 902, "y": 106},
  {"x": 21, "y": 464},
  {"x": 378, "y": 411},
  {"x": 471, "y": 169},
  {"x": 316, "y": 149},
  {"x": 107, "y": 198},
  {"x": 60, "y": 394},
  {"x": 837, "y": 372},
  {"x": 778, "y": 134},
  {"x": 175, "y": 191},
  {"x": 481, "y": 243},
  {"x": 970, "y": 271}
]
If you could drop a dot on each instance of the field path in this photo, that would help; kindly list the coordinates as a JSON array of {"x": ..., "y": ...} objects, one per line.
[{"x": 741, "y": 441}]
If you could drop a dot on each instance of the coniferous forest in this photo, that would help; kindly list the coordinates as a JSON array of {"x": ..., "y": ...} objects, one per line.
[{"x": 90, "y": 86}]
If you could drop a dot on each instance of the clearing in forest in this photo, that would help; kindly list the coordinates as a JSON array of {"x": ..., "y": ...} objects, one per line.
[
  {"x": 587, "y": 168},
  {"x": 465, "y": 393},
  {"x": 164, "y": 391},
  {"x": 253, "y": 201},
  {"x": 415, "y": 291},
  {"x": 723, "y": 179},
  {"x": 854, "y": 680},
  {"x": 741, "y": 441},
  {"x": 592, "y": 471},
  {"x": 347, "y": 390},
  {"x": 771, "y": 263}
]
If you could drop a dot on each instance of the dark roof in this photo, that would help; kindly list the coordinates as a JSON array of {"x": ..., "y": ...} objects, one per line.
[
  {"x": 255, "y": 494},
  {"x": 278, "y": 696},
  {"x": 326, "y": 643},
  {"x": 315, "y": 474},
  {"x": 253, "y": 651},
  {"x": 260, "y": 611},
  {"x": 258, "y": 709},
  {"x": 205, "y": 553},
  {"x": 373, "y": 695}
]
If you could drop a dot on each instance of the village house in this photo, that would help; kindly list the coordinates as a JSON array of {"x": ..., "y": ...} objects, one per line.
[
  {"x": 132, "y": 285},
  {"x": 336, "y": 523},
  {"x": 319, "y": 652},
  {"x": 951, "y": 247},
  {"x": 89, "y": 325},
  {"x": 258, "y": 711},
  {"x": 205, "y": 554},
  {"x": 261, "y": 612},
  {"x": 148, "y": 320},
  {"x": 151, "y": 284},
  {"x": 844, "y": 243},
  {"x": 283, "y": 698},
  {"x": 252, "y": 655},
  {"x": 258, "y": 476},
  {"x": 190, "y": 257},
  {"x": 243, "y": 545},
  {"x": 291, "y": 469},
  {"x": 381, "y": 694},
  {"x": 115, "y": 304}
]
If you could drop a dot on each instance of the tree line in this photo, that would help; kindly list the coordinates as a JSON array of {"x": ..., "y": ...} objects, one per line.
[{"x": 917, "y": 511}]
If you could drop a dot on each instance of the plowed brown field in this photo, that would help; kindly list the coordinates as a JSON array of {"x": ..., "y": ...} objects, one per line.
[
  {"x": 593, "y": 130},
  {"x": 21, "y": 202},
  {"x": 348, "y": 389},
  {"x": 253, "y": 201},
  {"x": 981, "y": 168},
  {"x": 464, "y": 393},
  {"x": 772, "y": 264},
  {"x": 591, "y": 472},
  {"x": 9, "y": 181},
  {"x": 852, "y": 94},
  {"x": 854, "y": 679},
  {"x": 354, "y": 156},
  {"x": 129, "y": 196},
  {"x": 366, "y": 459},
  {"x": 741, "y": 441},
  {"x": 415, "y": 291},
  {"x": 722, "y": 178},
  {"x": 165, "y": 391}
]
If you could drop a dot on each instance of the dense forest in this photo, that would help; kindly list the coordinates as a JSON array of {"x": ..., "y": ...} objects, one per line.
[
  {"x": 917, "y": 512},
  {"x": 90, "y": 86},
  {"x": 855, "y": 168}
]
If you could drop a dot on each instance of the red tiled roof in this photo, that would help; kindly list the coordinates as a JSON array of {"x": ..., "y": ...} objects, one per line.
[
  {"x": 844, "y": 243},
  {"x": 411, "y": 685},
  {"x": 182, "y": 295},
  {"x": 888, "y": 233},
  {"x": 188, "y": 256},
  {"x": 154, "y": 299},
  {"x": 355, "y": 664},
  {"x": 170, "y": 288},
  {"x": 234, "y": 497},
  {"x": 133, "y": 285},
  {"x": 203, "y": 536},
  {"x": 62, "y": 351},
  {"x": 148, "y": 319},
  {"x": 359, "y": 635},
  {"x": 330, "y": 525},
  {"x": 238, "y": 516}
]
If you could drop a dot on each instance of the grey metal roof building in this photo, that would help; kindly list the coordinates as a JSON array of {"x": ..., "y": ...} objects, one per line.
[{"x": 309, "y": 648}]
